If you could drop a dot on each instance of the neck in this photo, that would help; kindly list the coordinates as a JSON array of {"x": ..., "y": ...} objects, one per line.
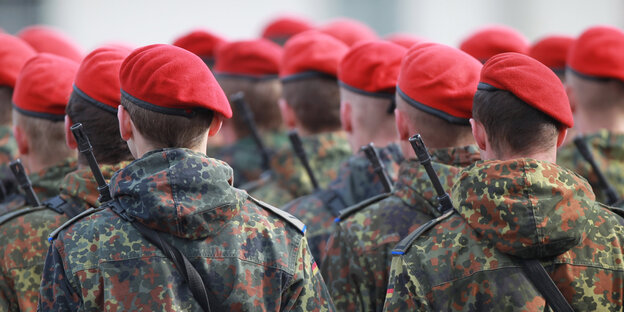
[
  {"x": 141, "y": 146},
  {"x": 591, "y": 122},
  {"x": 357, "y": 141},
  {"x": 32, "y": 165},
  {"x": 549, "y": 155}
]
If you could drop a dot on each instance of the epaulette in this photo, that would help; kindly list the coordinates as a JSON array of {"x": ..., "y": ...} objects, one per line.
[
  {"x": 73, "y": 220},
  {"x": 359, "y": 206},
  {"x": 19, "y": 212},
  {"x": 402, "y": 247},
  {"x": 283, "y": 214}
]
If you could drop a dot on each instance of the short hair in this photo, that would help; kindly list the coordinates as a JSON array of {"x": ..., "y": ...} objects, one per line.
[
  {"x": 316, "y": 103},
  {"x": 102, "y": 129},
  {"x": 372, "y": 115},
  {"x": 46, "y": 138},
  {"x": 512, "y": 125},
  {"x": 595, "y": 94},
  {"x": 262, "y": 98},
  {"x": 169, "y": 131},
  {"x": 6, "y": 95}
]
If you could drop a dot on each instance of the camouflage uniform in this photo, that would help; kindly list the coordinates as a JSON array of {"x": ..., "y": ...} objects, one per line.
[
  {"x": 8, "y": 147},
  {"x": 505, "y": 210},
  {"x": 325, "y": 151},
  {"x": 356, "y": 182},
  {"x": 24, "y": 240},
  {"x": 45, "y": 184},
  {"x": 249, "y": 257},
  {"x": 358, "y": 256},
  {"x": 608, "y": 150},
  {"x": 245, "y": 158}
]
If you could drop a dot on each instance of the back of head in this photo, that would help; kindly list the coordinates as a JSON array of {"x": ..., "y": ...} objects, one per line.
[
  {"x": 14, "y": 52},
  {"x": 170, "y": 95},
  {"x": 94, "y": 101},
  {"x": 45, "y": 39},
  {"x": 435, "y": 88},
  {"x": 308, "y": 73},
  {"x": 252, "y": 67},
  {"x": 493, "y": 40},
  {"x": 349, "y": 31},
  {"x": 280, "y": 29},
  {"x": 201, "y": 42},
  {"x": 522, "y": 106},
  {"x": 41, "y": 93}
]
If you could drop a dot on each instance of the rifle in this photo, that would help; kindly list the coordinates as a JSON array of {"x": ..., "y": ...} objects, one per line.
[
  {"x": 425, "y": 160},
  {"x": 378, "y": 166},
  {"x": 20, "y": 175},
  {"x": 85, "y": 148},
  {"x": 238, "y": 99},
  {"x": 606, "y": 187},
  {"x": 297, "y": 146}
]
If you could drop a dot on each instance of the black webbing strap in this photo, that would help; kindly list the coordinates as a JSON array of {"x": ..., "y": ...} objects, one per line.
[{"x": 540, "y": 279}]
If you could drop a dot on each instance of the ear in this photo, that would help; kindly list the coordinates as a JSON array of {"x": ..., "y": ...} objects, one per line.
[
  {"x": 561, "y": 137},
  {"x": 345, "y": 116},
  {"x": 215, "y": 125},
  {"x": 288, "y": 114},
  {"x": 571, "y": 98},
  {"x": 21, "y": 139},
  {"x": 70, "y": 140},
  {"x": 479, "y": 134},
  {"x": 402, "y": 125},
  {"x": 125, "y": 123}
]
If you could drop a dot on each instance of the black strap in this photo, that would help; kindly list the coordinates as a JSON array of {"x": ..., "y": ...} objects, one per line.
[
  {"x": 58, "y": 204},
  {"x": 332, "y": 200},
  {"x": 540, "y": 279}
]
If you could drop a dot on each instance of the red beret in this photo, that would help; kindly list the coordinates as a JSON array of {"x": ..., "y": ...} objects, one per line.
[
  {"x": 203, "y": 43},
  {"x": 285, "y": 27},
  {"x": 349, "y": 31},
  {"x": 44, "y": 85},
  {"x": 404, "y": 40},
  {"x": 97, "y": 79},
  {"x": 171, "y": 80},
  {"x": 371, "y": 67},
  {"x": 598, "y": 52},
  {"x": 311, "y": 53},
  {"x": 258, "y": 58},
  {"x": 14, "y": 52},
  {"x": 493, "y": 40},
  {"x": 530, "y": 81},
  {"x": 439, "y": 80},
  {"x": 552, "y": 51},
  {"x": 45, "y": 39}
]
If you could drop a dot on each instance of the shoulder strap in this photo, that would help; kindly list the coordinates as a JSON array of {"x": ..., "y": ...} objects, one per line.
[
  {"x": 332, "y": 200},
  {"x": 345, "y": 213},
  {"x": 281, "y": 213},
  {"x": 19, "y": 212},
  {"x": 58, "y": 204},
  {"x": 540, "y": 279},
  {"x": 73, "y": 220},
  {"x": 403, "y": 246}
]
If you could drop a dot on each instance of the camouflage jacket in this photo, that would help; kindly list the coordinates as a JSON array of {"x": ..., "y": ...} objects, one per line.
[
  {"x": 608, "y": 151},
  {"x": 325, "y": 152},
  {"x": 358, "y": 258},
  {"x": 45, "y": 183},
  {"x": 356, "y": 182},
  {"x": 506, "y": 210},
  {"x": 24, "y": 240},
  {"x": 249, "y": 257},
  {"x": 8, "y": 147},
  {"x": 245, "y": 158}
]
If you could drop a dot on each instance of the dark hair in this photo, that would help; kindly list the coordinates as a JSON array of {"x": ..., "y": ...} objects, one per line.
[
  {"x": 316, "y": 102},
  {"x": 101, "y": 127},
  {"x": 163, "y": 130},
  {"x": 6, "y": 98},
  {"x": 512, "y": 125}
]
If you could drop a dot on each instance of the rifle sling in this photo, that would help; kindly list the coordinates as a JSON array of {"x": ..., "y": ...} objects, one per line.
[{"x": 540, "y": 279}]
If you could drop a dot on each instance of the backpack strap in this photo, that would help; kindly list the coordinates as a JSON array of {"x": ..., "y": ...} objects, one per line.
[
  {"x": 345, "y": 213},
  {"x": 19, "y": 212},
  {"x": 282, "y": 214},
  {"x": 58, "y": 204},
  {"x": 403, "y": 246},
  {"x": 73, "y": 220}
]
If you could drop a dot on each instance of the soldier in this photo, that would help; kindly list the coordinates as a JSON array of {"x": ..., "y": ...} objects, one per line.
[
  {"x": 244, "y": 254},
  {"x": 513, "y": 209},
  {"x": 24, "y": 237},
  {"x": 40, "y": 96},
  {"x": 251, "y": 67},
  {"x": 552, "y": 51},
  {"x": 434, "y": 98},
  {"x": 280, "y": 29},
  {"x": 595, "y": 86},
  {"x": 48, "y": 40},
  {"x": 311, "y": 104},
  {"x": 492, "y": 40},
  {"x": 201, "y": 42},
  {"x": 349, "y": 31},
  {"x": 367, "y": 76}
]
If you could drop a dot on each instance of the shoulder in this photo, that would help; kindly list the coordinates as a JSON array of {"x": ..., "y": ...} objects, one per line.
[
  {"x": 86, "y": 223},
  {"x": 280, "y": 214}
]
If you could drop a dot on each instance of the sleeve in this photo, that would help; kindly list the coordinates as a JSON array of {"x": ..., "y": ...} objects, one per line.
[
  {"x": 307, "y": 290},
  {"x": 56, "y": 293},
  {"x": 404, "y": 293}
]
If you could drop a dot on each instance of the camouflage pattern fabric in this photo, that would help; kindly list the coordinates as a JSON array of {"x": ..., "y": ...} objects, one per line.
[
  {"x": 8, "y": 146},
  {"x": 356, "y": 182},
  {"x": 45, "y": 183},
  {"x": 520, "y": 208},
  {"x": 358, "y": 258},
  {"x": 608, "y": 151},
  {"x": 325, "y": 151},
  {"x": 24, "y": 240},
  {"x": 249, "y": 258},
  {"x": 245, "y": 158}
]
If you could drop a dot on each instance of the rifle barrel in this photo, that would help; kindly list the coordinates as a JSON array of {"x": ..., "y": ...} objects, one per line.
[
  {"x": 238, "y": 99},
  {"x": 607, "y": 188},
  {"x": 378, "y": 166},
  {"x": 20, "y": 175},
  {"x": 425, "y": 160},
  {"x": 86, "y": 149},
  {"x": 295, "y": 141}
]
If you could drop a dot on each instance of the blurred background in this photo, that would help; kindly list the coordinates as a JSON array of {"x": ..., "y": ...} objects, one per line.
[{"x": 140, "y": 22}]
